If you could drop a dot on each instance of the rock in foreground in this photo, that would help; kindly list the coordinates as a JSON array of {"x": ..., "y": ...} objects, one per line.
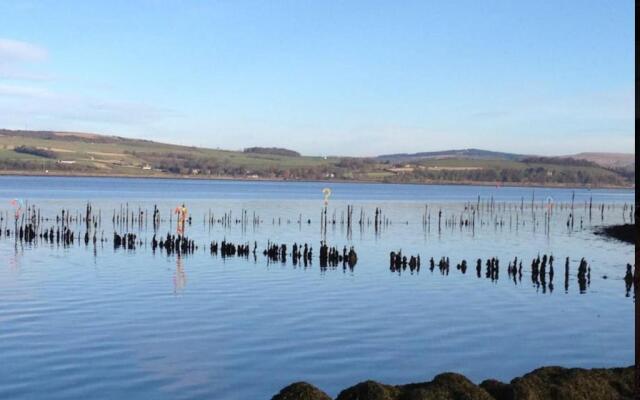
[
  {"x": 301, "y": 391},
  {"x": 548, "y": 383},
  {"x": 569, "y": 384},
  {"x": 448, "y": 386}
]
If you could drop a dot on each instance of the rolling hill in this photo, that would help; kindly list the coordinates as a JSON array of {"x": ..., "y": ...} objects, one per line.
[
  {"x": 609, "y": 160},
  {"x": 75, "y": 153},
  {"x": 475, "y": 154}
]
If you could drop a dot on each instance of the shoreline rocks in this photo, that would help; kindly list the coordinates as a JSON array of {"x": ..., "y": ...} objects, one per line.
[
  {"x": 625, "y": 232},
  {"x": 301, "y": 391},
  {"x": 543, "y": 383}
]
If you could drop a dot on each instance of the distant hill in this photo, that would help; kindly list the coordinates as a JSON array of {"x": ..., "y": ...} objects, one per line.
[
  {"x": 71, "y": 136},
  {"x": 609, "y": 160},
  {"x": 278, "y": 151},
  {"x": 76, "y": 153},
  {"x": 460, "y": 154}
]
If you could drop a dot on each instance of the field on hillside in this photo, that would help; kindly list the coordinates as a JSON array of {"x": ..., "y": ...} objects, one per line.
[
  {"x": 130, "y": 156},
  {"x": 32, "y": 152}
]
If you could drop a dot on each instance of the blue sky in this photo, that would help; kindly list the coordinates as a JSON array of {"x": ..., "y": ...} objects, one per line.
[{"x": 326, "y": 77}]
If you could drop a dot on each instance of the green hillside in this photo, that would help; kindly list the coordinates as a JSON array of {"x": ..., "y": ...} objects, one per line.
[{"x": 69, "y": 153}]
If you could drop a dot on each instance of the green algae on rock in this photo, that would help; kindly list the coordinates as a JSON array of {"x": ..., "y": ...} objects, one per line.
[
  {"x": 301, "y": 391},
  {"x": 573, "y": 384},
  {"x": 547, "y": 383},
  {"x": 447, "y": 386}
]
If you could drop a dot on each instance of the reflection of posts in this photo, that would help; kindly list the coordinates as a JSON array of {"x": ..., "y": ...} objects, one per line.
[
  {"x": 180, "y": 278},
  {"x": 13, "y": 262}
]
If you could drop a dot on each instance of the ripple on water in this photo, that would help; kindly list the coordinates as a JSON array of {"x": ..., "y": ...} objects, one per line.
[{"x": 132, "y": 324}]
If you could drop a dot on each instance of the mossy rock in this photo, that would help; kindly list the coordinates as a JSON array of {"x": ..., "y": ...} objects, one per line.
[
  {"x": 369, "y": 390},
  {"x": 548, "y": 383},
  {"x": 551, "y": 383},
  {"x": 448, "y": 386},
  {"x": 301, "y": 391},
  {"x": 499, "y": 390}
]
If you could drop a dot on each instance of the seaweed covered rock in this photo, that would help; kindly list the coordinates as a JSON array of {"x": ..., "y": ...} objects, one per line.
[
  {"x": 499, "y": 390},
  {"x": 370, "y": 390},
  {"x": 574, "y": 383},
  {"x": 301, "y": 391},
  {"x": 447, "y": 386},
  {"x": 548, "y": 383},
  {"x": 625, "y": 232}
]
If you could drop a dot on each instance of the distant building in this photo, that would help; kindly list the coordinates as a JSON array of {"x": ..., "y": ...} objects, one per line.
[
  {"x": 147, "y": 167},
  {"x": 66, "y": 162}
]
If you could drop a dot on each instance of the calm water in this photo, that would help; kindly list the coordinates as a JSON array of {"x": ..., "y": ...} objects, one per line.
[{"x": 94, "y": 322}]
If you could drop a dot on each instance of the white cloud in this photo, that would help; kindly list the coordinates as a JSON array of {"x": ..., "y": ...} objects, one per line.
[
  {"x": 20, "y": 73},
  {"x": 24, "y": 91},
  {"x": 42, "y": 108},
  {"x": 18, "y": 59},
  {"x": 35, "y": 103},
  {"x": 18, "y": 51}
]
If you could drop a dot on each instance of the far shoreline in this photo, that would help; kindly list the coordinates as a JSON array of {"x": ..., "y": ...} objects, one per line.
[{"x": 241, "y": 179}]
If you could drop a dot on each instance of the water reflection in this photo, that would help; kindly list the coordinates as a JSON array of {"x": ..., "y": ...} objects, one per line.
[
  {"x": 179, "y": 277},
  {"x": 467, "y": 217},
  {"x": 13, "y": 261},
  {"x": 629, "y": 280},
  {"x": 67, "y": 226},
  {"x": 271, "y": 303}
]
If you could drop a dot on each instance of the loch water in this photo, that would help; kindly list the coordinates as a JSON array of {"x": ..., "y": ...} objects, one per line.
[{"x": 91, "y": 321}]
